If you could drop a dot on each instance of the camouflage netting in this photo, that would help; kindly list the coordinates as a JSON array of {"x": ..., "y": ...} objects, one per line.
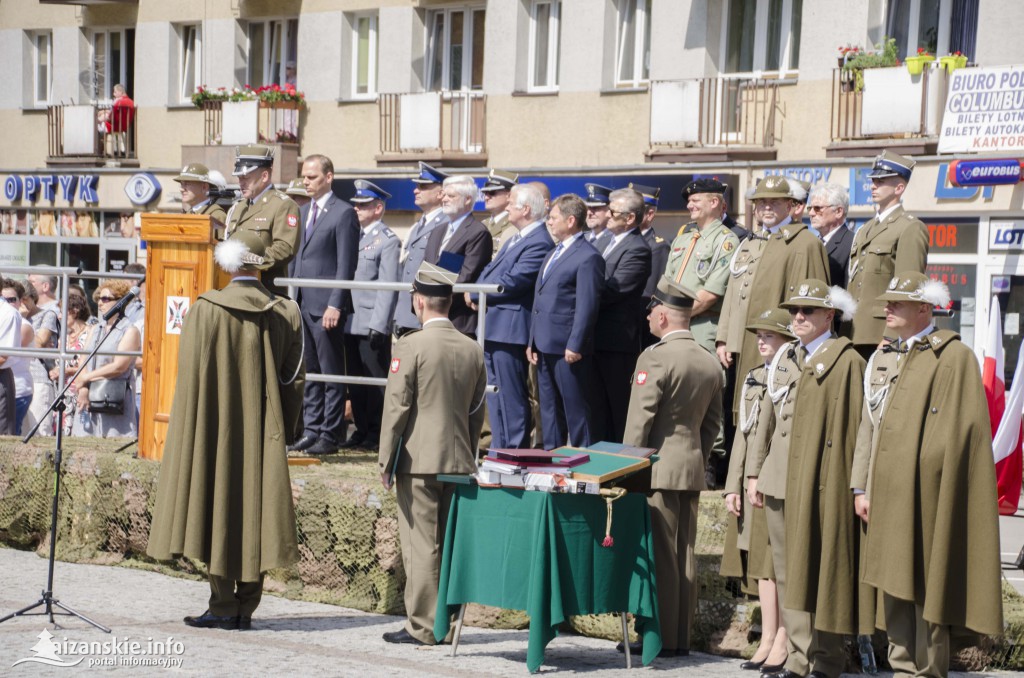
[{"x": 348, "y": 540}]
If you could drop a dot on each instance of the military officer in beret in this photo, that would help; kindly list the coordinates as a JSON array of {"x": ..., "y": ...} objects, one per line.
[
  {"x": 892, "y": 241},
  {"x": 675, "y": 405},
  {"x": 932, "y": 545},
  {"x": 803, "y": 474},
  {"x": 196, "y": 185},
  {"x": 598, "y": 214},
  {"x": 496, "y": 191},
  {"x": 266, "y": 211},
  {"x": 427, "y": 193},
  {"x": 368, "y": 328},
  {"x": 433, "y": 413}
]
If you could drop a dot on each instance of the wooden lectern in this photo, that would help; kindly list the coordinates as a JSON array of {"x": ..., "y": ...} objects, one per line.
[{"x": 179, "y": 267}]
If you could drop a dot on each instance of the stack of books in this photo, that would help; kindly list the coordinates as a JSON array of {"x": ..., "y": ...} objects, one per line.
[{"x": 528, "y": 469}]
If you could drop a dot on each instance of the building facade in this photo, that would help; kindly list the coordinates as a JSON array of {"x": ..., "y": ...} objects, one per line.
[{"x": 567, "y": 91}]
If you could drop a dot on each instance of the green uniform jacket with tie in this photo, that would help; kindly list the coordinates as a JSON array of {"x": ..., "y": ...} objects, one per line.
[
  {"x": 212, "y": 209},
  {"x": 933, "y": 537},
  {"x": 732, "y": 321},
  {"x": 881, "y": 250},
  {"x": 274, "y": 217},
  {"x": 822, "y": 529}
]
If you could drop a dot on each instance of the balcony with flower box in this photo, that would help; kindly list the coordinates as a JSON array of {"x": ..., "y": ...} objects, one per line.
[
  {"x": 270, "y": 115},
  {"x": 713, "y": 119},
  {"x": 447, "y": 128}
]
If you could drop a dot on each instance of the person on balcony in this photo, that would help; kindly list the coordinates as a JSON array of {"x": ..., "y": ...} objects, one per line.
[{"x": 117, "y": 120}]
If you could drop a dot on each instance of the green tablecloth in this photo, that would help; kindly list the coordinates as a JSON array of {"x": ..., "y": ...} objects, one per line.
[{"x": 542, "y": 553}]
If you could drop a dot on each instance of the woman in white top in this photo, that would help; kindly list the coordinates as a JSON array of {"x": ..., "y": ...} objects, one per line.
[{"x": 13, "y": 291}]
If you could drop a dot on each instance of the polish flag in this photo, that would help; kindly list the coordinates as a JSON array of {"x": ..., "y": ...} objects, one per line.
[{"x": 1004, "y": 415}]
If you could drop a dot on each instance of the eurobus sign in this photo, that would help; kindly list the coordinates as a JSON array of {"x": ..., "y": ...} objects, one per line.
[{"x": 985, "y": 172}]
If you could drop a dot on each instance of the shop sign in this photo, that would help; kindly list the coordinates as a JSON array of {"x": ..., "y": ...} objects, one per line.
[
  {"x": 142, "y": 188},
  {"x": 984, "y": 110},
  {"x": 811, "y": 175},
  {"x": 33, "y": 188},
  {"x": 1006, "y": 236},
  {"x": 952, "y": 236},
  {"x": 985, "y": 172},
  {"x": 944, "y": 191}
]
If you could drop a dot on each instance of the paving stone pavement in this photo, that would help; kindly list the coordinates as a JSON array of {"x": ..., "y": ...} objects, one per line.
[{"x": 289, "y": 638}]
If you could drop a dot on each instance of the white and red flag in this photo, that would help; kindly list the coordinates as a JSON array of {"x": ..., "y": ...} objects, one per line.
[{"x": 1004, "y": 414}]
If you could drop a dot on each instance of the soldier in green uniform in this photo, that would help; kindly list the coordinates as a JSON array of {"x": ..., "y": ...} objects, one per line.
[
  {"x": 195, "y": 192},
  {"x": 266, "y": 211},
  {"x": 496, "y": 192},
  {"x": 297, "y": 191},
  {"x": 892, "y": 241},
  {"x": 675, "y": 405}
]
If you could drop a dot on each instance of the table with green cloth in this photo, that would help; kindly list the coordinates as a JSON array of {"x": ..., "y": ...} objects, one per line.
[{"x": 542, "y": 553}]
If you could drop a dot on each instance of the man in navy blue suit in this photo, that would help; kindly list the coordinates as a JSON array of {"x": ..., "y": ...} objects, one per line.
[
  {"x": 617, "y": 337},
  {"x": 565, "y": 307},
  {"x": 464, "y": 245},
  {"x": 515, "y": 268},
  {"x": 328, "y": 250}
]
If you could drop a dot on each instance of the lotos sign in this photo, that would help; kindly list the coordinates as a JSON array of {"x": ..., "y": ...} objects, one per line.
[{"x": 33, "y": 188}]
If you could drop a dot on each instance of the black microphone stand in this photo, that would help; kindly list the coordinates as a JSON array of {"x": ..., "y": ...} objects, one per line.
[{"x": 57, "y": 407}]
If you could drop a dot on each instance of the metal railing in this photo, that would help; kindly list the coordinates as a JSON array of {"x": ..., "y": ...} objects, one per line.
[
  {"x": 446, "y": 122},
  {"x": 92, "y": 131},
  {"x": 277, "y": 122},
  {"x": 715, "y": 112},
  {"x": 847, "y": 112}
]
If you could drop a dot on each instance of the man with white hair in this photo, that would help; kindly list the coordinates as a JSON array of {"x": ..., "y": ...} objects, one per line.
[
  {"x": 925, "y": 468},
  {"x": 803, "y": 475},
  {"x": 464, "y": 245},
  {"x": 828, "y": 205}
]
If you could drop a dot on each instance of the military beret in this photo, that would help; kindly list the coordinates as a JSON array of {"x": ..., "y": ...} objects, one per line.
[{"x": 704, "y": 186}]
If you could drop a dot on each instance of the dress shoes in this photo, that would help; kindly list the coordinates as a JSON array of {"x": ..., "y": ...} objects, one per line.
[
  {"x": 370, "y": 443},
  {"x": 767, "y": 669},
  {"x": 751, "y": 665},
  {"x": 354, "y": 440},
  {"x": 323, "y": 445},
  {"x": 303, "y": 443},
  {"x": 401, "y": 636},
  {"x": 784, "y": 673},
  {"x": 245, "y": 623},
  {"x": 211, "y": 621}
]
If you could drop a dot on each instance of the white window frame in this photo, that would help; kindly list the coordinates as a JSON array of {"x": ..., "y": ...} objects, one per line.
[
  {"x": 444, "y": 84},
  {"x": 372, "y": 56},
  {"x": 274, "y": 30},
  {"x": 550, "y": 83},
  {"x": 100, "y": 61},
  {"x": 786, "y": 48},
  {"x": 190, "y": 59},
  {"x": 36, "y": 37},
  {"x": 641, "y": 49},
  {"x": 914, "y": 27}
]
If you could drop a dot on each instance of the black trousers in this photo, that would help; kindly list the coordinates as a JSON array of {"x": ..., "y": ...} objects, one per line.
[{"x": 361, "y": 360}]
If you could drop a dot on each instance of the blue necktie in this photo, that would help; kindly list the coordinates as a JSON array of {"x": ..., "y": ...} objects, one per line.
[{"x": 554, "y": 258}]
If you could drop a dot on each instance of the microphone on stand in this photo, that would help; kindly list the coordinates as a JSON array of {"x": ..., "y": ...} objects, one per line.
[{"x": 122, "y": 303}]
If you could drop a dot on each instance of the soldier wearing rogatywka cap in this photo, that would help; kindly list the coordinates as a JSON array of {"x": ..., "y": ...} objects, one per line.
[
  {"x": 803, "y": 477},
  {"x": 597, "y": 200},
  {"x": 496, "y": 192},
  {"x": 264, "y": 210},
  {"x": 892, "y": 241},
  {"x": 195, "y": 191},
  {"x": 929, "y": 453},
  {"x": 433, "y": 414},
  {"x": 675, "y": 405},
  {"x": 297, "y": 191}
]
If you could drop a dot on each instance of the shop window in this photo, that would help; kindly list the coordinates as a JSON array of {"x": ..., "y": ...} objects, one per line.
[
  {"x": 938, "y": 26},
  {"x": 190, "y": 60},
  {"x": 113, "y": 62},
  {"x": 273, "y": 46},
  {"x": 455, "y": 49},
  {"x": 544, "y": 45},
  {"x": 775, "y": 28},
  {"x": 633, "y": 43}
]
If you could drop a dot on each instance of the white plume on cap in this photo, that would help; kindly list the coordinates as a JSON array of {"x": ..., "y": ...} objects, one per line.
[
  {"x": 935, "y": 293},
  {"x": 843, "y": 301},
  {"x": 797, "y": 192},
  {"x": 232, "y": 255}
]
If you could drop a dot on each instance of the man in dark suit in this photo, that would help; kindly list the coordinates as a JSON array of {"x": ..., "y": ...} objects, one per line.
[
  {"x": 327, "y": 250},
  {"x": 659, "y": 250},
  {"x": 509, "y": 312},
  {"x": 427, "y": 195},
  {"x": 617, "y": 336},
  {"x": 596, "y": 200},
  {"x": 827, "y": 205},
  {"x": 464, "y": 245},
  {"x": 565, "y": 308}
]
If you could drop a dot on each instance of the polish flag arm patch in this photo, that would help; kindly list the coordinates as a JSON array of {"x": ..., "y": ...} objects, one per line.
[
  {"x": 395, "y": 364},
  {"x": 641, "y": 378},
  {"x": 293, "y": 221}
]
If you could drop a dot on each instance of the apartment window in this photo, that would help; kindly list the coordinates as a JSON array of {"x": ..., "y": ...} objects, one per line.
[
  {"x": 633, "y": 44},
  {"x": 938, "y": 26},
  {"x": 113, "y": 57},
  {"x": 272, "y": 47},
  {"x": 364, "y": 56},
  {"x": 42, "y": 60},
  {"x": 455, "y": 49},
  {"x": 544, "y": 44},
  {"x": 190, "y": 60},
  {"x": 775, "y": 27}
]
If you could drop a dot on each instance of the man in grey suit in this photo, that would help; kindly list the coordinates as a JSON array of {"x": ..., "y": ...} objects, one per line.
[
  {"x": 827, "y": 205},
  {"x": 327, "y": 250},
  {"x": 427, "y": 194},
  {"x": 367, "y": 337}
]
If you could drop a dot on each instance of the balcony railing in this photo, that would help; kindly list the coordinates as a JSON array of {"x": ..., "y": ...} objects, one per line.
[
  {"x": 92, "y": 133},
  {"x": 444, "y": 126},
  {"x": 893, "y": 104},
  {"x": 250, "y": 122},
  {"x": 727, "y": 113}
]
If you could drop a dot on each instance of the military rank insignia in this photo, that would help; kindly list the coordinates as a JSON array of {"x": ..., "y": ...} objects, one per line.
[
  {"x": 395, "y": 364},
  {"x": 293, "y": 221},
  {"x": 641, "y": 378}
]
